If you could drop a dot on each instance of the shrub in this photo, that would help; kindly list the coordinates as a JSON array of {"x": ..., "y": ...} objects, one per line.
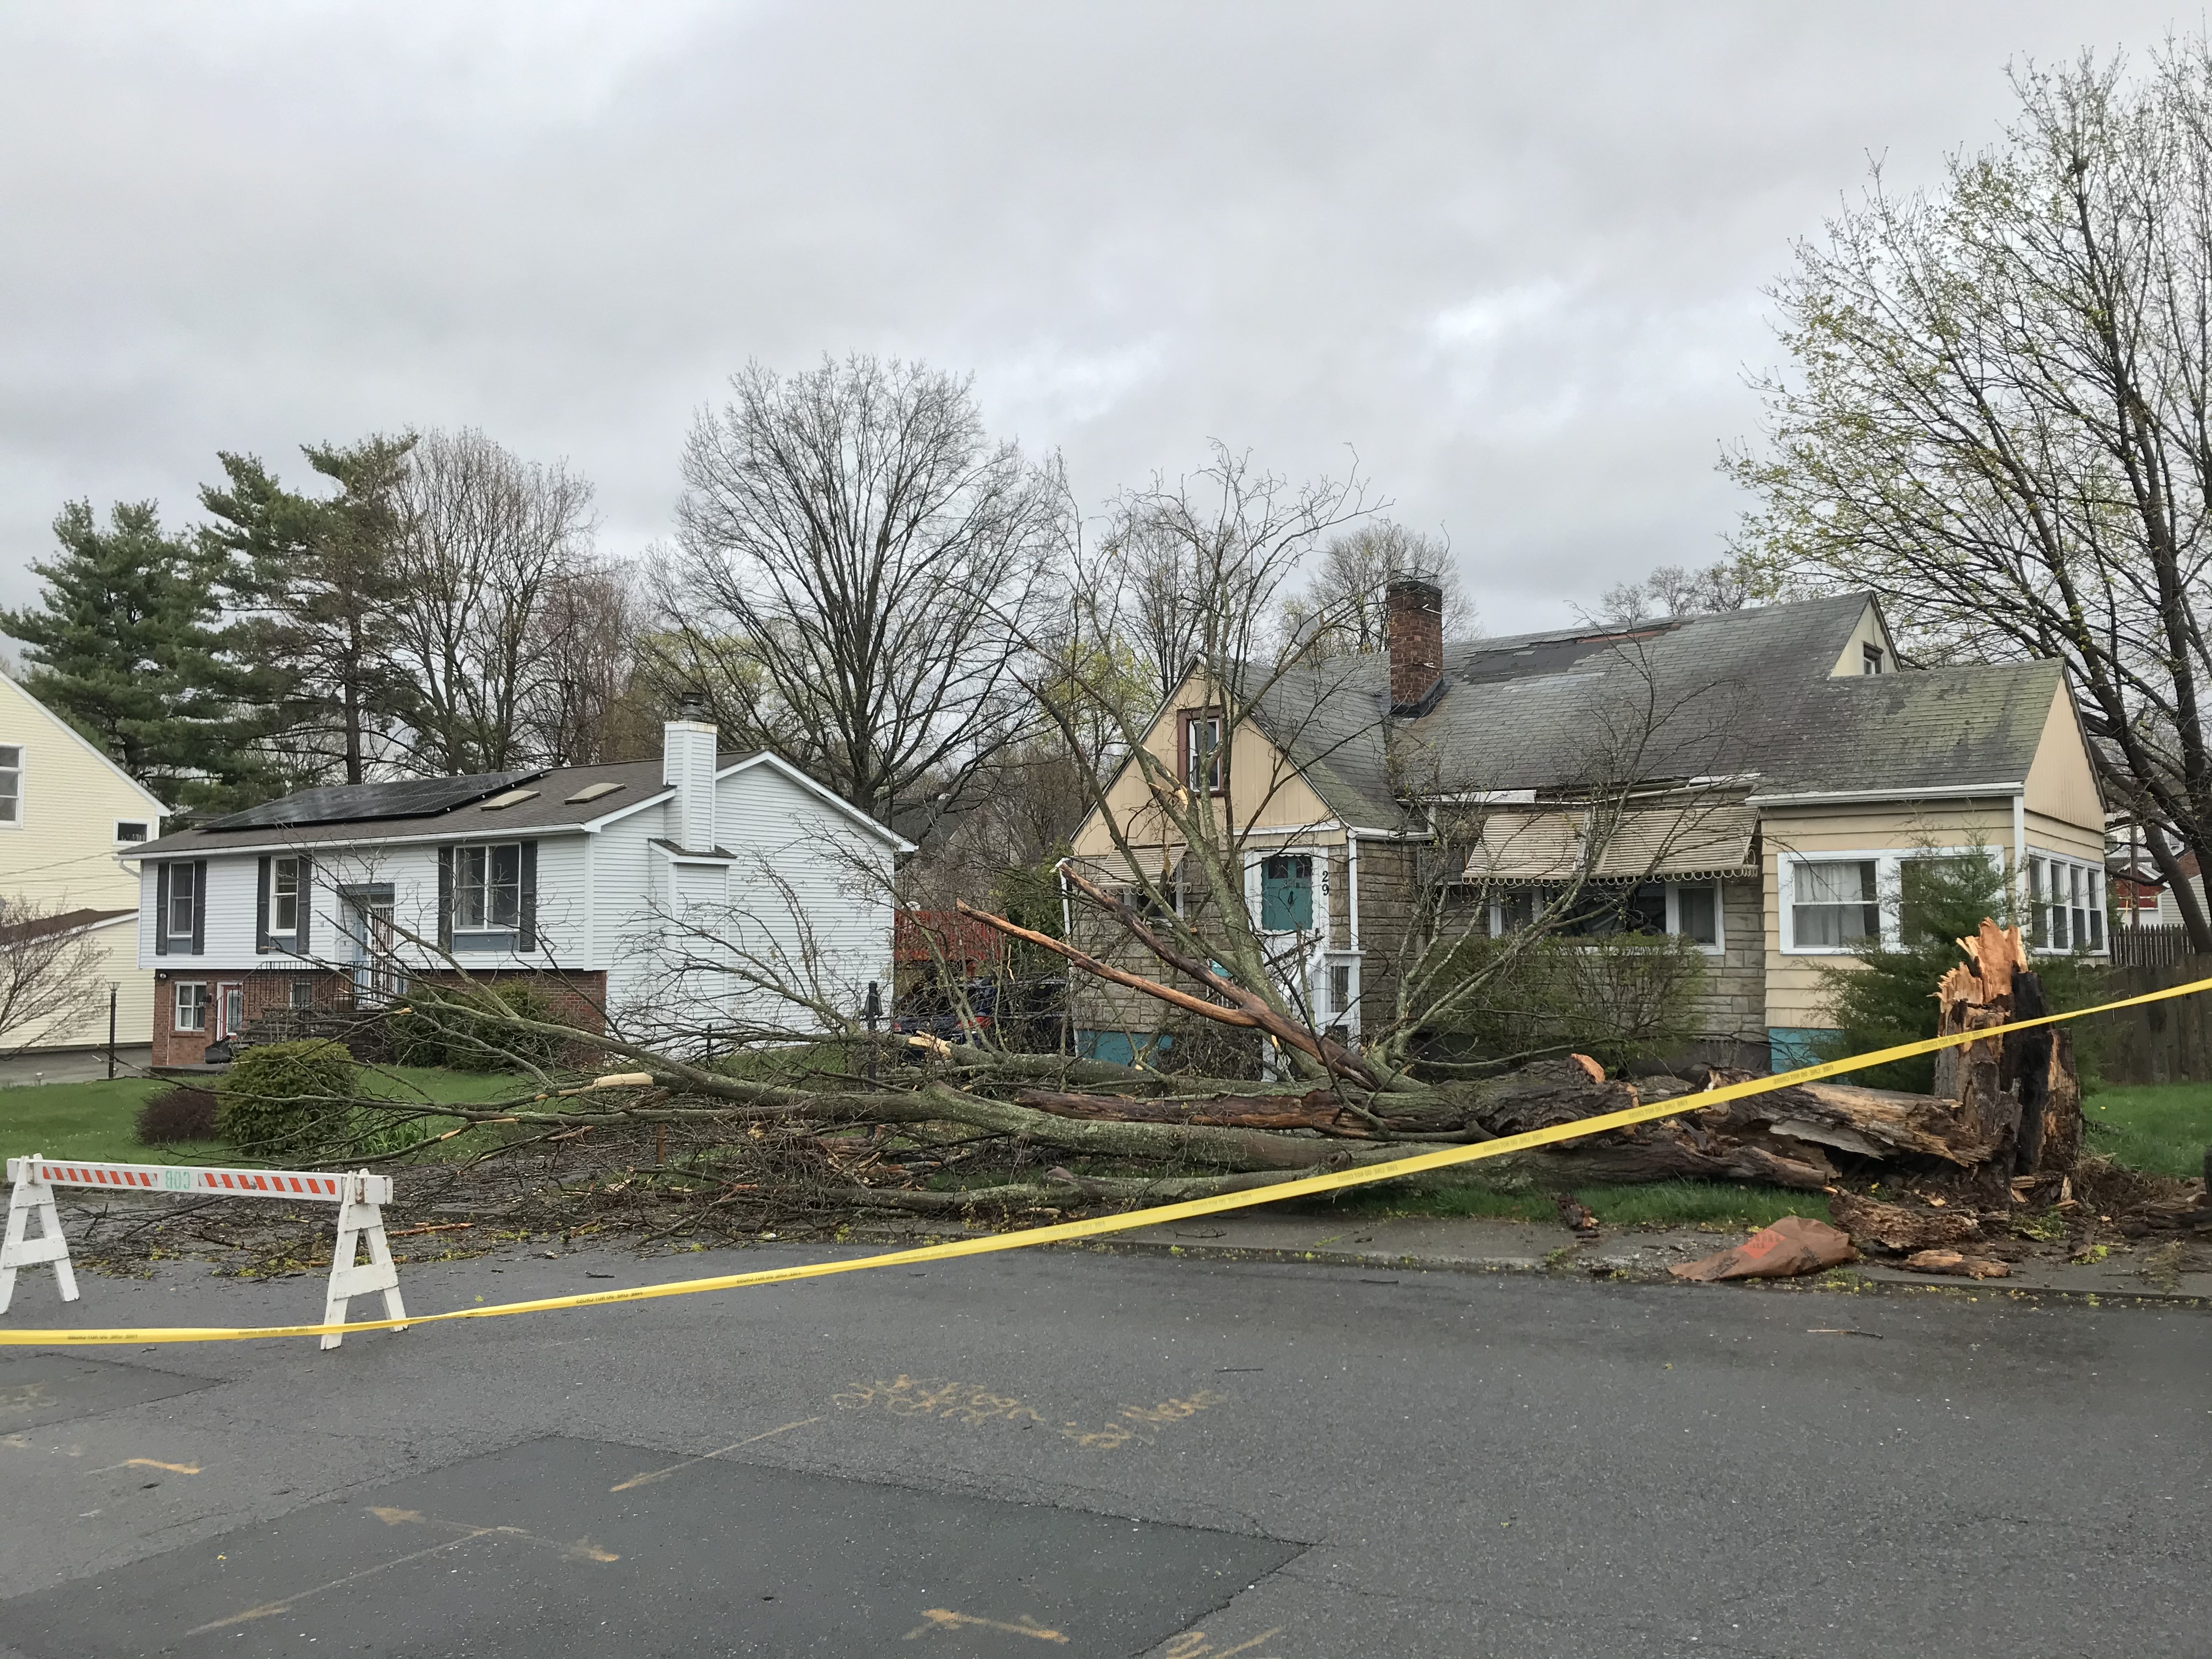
[
  {"x": 287, "y": 1098},
  {"x": 1620, "y": 998},
  {"x": 418, "y": 1033},
  {"x": 177, "y": 1114},
  {"x": 477, "y": 1040}
]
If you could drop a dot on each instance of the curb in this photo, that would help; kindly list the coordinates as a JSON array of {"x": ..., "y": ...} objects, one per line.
[{"x": 1588, "y": 1271}]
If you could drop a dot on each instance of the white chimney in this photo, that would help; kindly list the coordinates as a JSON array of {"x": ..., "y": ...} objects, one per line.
[{"x": 687, "y": 762}]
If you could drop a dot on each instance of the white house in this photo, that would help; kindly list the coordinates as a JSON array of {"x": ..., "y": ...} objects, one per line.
[
  {"x": 67, "y": 815},
  {"x": 697, "y": 889}
]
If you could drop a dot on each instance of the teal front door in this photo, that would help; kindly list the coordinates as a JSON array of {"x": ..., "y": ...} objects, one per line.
[{"x": 1286, "y": 893}]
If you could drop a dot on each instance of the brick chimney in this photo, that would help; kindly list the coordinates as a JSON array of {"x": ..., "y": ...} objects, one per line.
[{"x": 1414, "y": 618}]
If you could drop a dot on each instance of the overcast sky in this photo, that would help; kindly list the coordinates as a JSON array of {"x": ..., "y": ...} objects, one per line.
[{"x": 1510, "y": 255}]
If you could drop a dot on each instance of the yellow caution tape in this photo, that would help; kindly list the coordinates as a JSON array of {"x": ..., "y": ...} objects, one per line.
[{"x": 1065, "y": 1232}]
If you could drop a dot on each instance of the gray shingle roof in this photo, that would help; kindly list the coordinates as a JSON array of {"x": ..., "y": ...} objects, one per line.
[
  {"x": 550, "y": 809},
  {"x": 1745, "y": 693}
]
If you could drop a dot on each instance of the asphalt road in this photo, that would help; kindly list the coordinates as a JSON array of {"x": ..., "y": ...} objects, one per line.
[{"x": 1086, "y": 1453}]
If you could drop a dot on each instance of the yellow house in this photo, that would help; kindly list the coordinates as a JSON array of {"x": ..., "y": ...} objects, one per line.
[
  {"x": 67, "y": 815},
  {"x": 1758, "y": 783}
]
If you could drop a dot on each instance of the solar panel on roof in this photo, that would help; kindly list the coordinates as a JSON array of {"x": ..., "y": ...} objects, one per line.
[{"x": 350, "y": 803}]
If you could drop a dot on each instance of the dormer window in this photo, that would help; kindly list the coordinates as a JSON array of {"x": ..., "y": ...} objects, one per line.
[{"x": 1870, "y": 660}]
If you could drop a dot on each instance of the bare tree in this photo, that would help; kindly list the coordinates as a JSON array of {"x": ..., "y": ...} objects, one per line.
[
  {"x": 1352, "y": 577},
  {"x": 487, "y": 541},
  {"x": 585, "y": 656},
  {"x": 1998, "y": 417},
  {"x": 1673, "y": 591},
  {"x": 869, "y": 557},
  {"x": 50, "y": 972}
]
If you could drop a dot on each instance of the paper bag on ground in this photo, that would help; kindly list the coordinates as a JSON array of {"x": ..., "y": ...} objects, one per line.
[{"x": 1796, "y": 1244}]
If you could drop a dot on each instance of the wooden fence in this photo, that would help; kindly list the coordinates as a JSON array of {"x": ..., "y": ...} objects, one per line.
[
  {"x": 2155, "y": 946},
  {"x": 2161, "y": 1041}
]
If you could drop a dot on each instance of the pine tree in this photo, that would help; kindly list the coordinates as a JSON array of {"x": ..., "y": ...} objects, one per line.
[
  {"x": 313, "y": 578},
  {"x": 127, "y": 646}
]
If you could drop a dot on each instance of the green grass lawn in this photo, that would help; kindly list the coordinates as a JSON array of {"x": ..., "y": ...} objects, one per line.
[
  {"x": 2160, "y": 1127},
  {"x": 78, "y": 1120},
  {"x": 94, "y": 1119}
]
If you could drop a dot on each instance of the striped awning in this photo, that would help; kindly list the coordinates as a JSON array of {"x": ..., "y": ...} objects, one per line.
[{"x": 1672, "y": 843}]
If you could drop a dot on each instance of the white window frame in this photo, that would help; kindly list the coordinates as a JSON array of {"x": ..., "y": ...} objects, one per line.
[
  {"x": 1718, "y": 884},
  {"x": 1256, "y": 859},
  {"x": 2095, "y": 888},
  {"x": 143, "y": 826},
  {"x": 1719, "y": 946},
  {"x": 198, "y": 898},
  {"x": 1887, "y": 862},
  {"x": 177, "y": 1006},
  {"x": 15, "y": 821},
  {"x": 277, "y": 930},
  {"x": 487, "y": 926}
]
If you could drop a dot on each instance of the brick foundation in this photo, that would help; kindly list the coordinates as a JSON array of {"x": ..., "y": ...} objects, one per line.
[{"x": 576, "y": 998}]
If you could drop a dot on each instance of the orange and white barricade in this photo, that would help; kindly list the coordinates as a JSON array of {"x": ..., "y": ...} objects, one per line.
[{"x": 360, "y": 1198}]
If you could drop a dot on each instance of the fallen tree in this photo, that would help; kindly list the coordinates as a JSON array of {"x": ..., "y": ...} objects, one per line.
[{"x": 893, "y": 1123}]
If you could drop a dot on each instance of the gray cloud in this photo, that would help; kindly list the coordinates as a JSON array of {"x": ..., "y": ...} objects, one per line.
[{"x": 1513, "y": 260}]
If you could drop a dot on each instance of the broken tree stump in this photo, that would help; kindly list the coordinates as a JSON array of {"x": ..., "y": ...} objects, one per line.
[{"x": 2018, "y": 1093}]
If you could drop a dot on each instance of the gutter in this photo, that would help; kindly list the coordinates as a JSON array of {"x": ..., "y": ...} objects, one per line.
[
  {"x": 488, "y": 832},
  {"x": 1937, "y": 792}
]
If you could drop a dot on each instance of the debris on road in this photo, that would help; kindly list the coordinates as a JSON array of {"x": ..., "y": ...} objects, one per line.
[
  {"x": 1576, "y": 1215},
  {"x": 1951, "y": 1262},
  {"x": 1876, "y": 1225},
  {"x": 1796, "y": 1244}
]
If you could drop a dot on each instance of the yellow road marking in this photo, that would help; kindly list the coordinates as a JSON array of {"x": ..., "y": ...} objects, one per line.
[
  {"x": 946, "y": 1619},
  {"x": 652, "y": 1475},
  {"x": 1193, "y": 1644},
  {"x": 150, "y": 1463}
]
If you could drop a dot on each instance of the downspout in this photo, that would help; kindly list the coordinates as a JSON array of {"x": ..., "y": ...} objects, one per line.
[{"x": 2019, "y": 895}]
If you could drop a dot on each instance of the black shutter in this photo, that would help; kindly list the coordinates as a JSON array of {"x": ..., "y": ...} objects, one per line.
[
  {"x": 445, "y": 899},
  {"x": 199, "y": 907},
  {"x": 161, "y": 910},
  {"x": 306, "y": 868},
  {"x": 261, "y": 909},
  {"x": 529, "y": 941}
]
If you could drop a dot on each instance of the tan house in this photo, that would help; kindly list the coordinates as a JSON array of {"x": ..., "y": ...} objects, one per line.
[
  {"x": 67, "y": 815},
  {"x": 1758, "y": 783}
]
